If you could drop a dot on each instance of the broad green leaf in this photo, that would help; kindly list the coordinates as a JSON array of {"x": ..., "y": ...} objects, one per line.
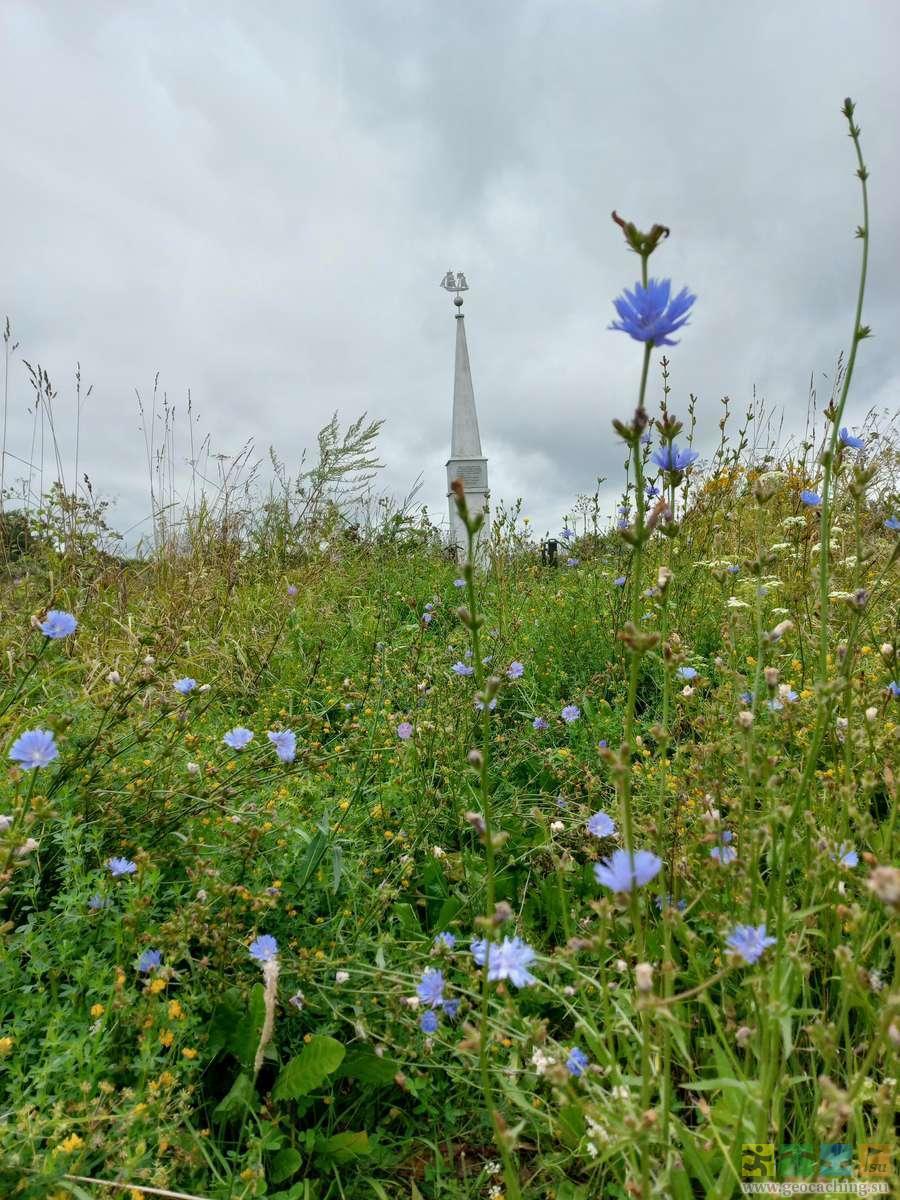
[
  {"x": 571, "y": 1124},
  {"x": 446, "y": 913},
  {"x": 567, "y": 1190},
  {"x": 368, "y": 1068},
  {"x": 311, "y": 859},
  {"x": 433, "y": 882},
  {"x": 285, "y": 1164},
  {"x": 317, "y": 1060},
  {"x": 406, "y": 915},
  {"x": 224, "y": 1022},
  {"x": 342, "y": 1147},
  {"x": 240, "y": 1099},
  {"x": 245, "y": 1039},
  {"x": 697, "y": 1162}
]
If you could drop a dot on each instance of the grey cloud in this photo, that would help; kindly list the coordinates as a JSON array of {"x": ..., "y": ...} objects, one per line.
[{"x": 259, "y": 202}]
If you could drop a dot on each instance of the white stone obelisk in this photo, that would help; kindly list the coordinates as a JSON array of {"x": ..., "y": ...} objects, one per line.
[{"x": 466, "y": 461}]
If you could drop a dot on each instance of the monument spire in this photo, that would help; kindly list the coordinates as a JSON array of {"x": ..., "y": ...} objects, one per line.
[{"x": 466, "y": 461}]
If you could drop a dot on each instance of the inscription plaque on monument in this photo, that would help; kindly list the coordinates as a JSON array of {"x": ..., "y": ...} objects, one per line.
[{"x": 473, "y": 475}]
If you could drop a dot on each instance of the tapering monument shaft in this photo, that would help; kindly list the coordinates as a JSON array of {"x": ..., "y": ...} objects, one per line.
[{"x": 466, "y": 460}]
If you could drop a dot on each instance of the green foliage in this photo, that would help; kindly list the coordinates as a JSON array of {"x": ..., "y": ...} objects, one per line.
[{"x": 319, "y": 1058}]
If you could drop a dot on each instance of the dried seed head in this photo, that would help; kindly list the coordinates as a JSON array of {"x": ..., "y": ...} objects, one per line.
[
  {"x": 643, "y": 977},
  {"x": 884, "y": 882}
]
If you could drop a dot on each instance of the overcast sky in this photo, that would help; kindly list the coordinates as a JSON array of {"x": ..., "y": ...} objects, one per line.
[{"x": 259, "y": 201}]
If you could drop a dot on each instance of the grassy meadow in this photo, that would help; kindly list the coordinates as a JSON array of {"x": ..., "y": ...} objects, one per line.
[{"x": 655, "y": 785}]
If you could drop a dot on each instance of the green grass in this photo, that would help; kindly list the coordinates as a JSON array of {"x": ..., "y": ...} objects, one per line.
[{"x": 359, "y": 853}]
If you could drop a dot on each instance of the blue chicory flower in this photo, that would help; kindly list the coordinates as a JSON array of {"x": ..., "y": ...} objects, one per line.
[
  {"x": 34, "y": 748},
  {"x": 687, "y": 673},
  {"x": 148, "y": 960},
  {"x": 847, "y": 856},
  {"x": 428, "y": 1022},
  {"x": 461, "y": 668},
  {"x": 847, "y": 438},
  {"x": 445, "y": 939},
  {"x": 431, "y": 988},
  {"x": 573, "y": 562},
  {"x": 508, "y": 960},
  {"x": 724, "y": 852},
  {"x": 264, "y": 948},
  {"x": 810, "y": 498},
  {"x": 648, "y": 314},
  {"x": 539, "y": 723},
  {"x": 459, "y": 583},
  {"x": 121, "y": 866},
  {"x": 404, "y": 731},
  {"x": 892, "y": 523},
  {"x": 238, "y": 738},
  {"x": 570, "y": 713},
  {"x": 184, "y": 685},
  {"x": 577, "y": 1062},
  {"x": 672, "y": 460},
  {"x": 749, "y": 942},
  {"x": 58, "y": 624},
  {"x": 451, "y": 1008},
  {"x": 617, "y": 872},
  {"x": 285, "y": 743},
  {"x": 515, "y": 670},
  {"x": 620, "y": 582},
  {"x": 600, "y": 825}
]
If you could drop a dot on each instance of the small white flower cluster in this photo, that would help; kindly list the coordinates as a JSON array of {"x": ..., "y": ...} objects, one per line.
[
  {"x": 540, "y": 1061},
  {"x": 597, "y": 1136}
]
